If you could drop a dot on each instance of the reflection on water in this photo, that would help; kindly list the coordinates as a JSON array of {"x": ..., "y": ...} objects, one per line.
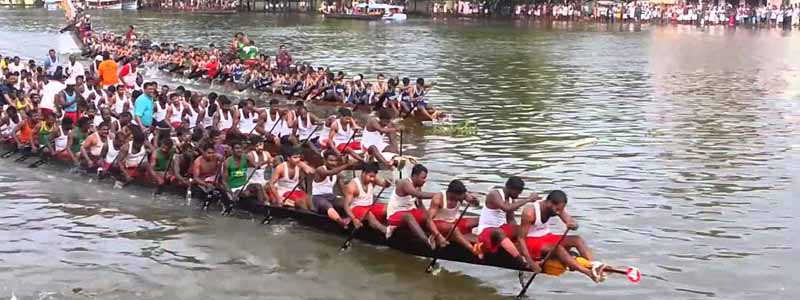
[{"x": 691, "y": 176}]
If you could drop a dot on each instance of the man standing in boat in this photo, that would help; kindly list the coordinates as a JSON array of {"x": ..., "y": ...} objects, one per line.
[
  {"x": 284, "y": 59},
  {"x": 497, "y": 225},
  {"x": 534, "y": 237}
]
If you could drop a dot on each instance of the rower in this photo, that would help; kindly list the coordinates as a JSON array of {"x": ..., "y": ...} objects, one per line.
[
  {"x": 92, "y": 147},
  {"x": 133, "y": 158},
  {"x": 60, "y": 138},
  {"x": 76, "y": 138},
  {"x": 44, "y": 135},
  {"x": 263, "y": 161},
  {"x": 175, "y": 111},
  {"x": 405, "y": 208},
  {"x": 496, "y": 223},
  {"x": 268, "y": 123},
  {"x": 223, "y": 117},
  {"x": 343, "y": 131},
  {"x": 359, "y": 202},
  {"x": 535, "y": 239},
  {"x": 372, "y": 142},
  {"x": 111, "y": 163},
  {"x": 417, "y": 101},
  {"x": 304, "y": 127},
  {"x": 445, "y": 208},
  {"x": 248, "y": 117},
  {"x": 234, "y": 177},
  {"x": 205, "y": 171},
  {"x": 160, "y": 160},
  {"x": 286, "y": 179},
  {"x": 323, "y": 198},
  {"x": 184, "y": 157}
]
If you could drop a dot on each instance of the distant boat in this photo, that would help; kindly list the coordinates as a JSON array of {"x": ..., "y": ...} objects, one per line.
[
  {"x": 112, "y": 4},
  {"x": 51, "y": 5},
  {"x": 374, "y": 12}
]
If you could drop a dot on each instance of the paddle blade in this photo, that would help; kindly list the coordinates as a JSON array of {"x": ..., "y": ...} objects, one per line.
[{"x": 633, "y": 275}]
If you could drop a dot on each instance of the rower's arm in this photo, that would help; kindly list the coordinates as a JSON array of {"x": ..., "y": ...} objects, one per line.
[
  {"x": 121, "y": 157},
  {"x": 409, "y": 189},
  {"x": 87, "y": 144},
  {"x": 306, "y": 168},
  {"x": 322, "y": 172},
  {"x": 568, "y": 220},
  {"x": 235, "y": 117},
  {"x": 17, "y": 132},
  {"x": 260, "y": 125},
  {"x": 436, "y": 204},
  {"x": 196, "y": 173},
  {"x": 525, "y": 225},
  {"x": 276, "y": 176},
  {"x": 34, "y": 139},
  {"x": 331, "y": 134},
  {"x": 216, "y": 119},
  {"x": 224, "y": 181},
  {"x": 349, "y": 193},
  {"x": 153, "y": 158}
]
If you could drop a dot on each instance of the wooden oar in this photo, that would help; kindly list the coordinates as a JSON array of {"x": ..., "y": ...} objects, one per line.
[
  {"x": 401, "y": 152},
  {"x": 429, "y": 269},
  {"x": 549, "y": 254},
  {"x": 353, "y": 232}
]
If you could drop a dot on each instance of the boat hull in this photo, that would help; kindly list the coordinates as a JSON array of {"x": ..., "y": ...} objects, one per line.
[{"x": 402, "y": 240}]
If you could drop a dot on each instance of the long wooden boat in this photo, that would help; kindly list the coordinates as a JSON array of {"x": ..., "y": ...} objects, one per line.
[
  {"x": 417, "y": 117},
  {"x": 402, "y": 239}
]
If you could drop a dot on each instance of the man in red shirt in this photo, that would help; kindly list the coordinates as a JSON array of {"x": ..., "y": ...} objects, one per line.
[{"x": 212, "y": 68}]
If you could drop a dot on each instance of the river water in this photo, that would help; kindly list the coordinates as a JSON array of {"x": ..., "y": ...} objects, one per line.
[{"x": 692, "y": 178}]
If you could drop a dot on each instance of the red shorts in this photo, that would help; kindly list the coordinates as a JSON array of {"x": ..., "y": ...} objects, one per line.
[
  {"x": 535, "y": 244},
  {"x": 378, "y": 210},
  {"x": 354, "y": 145},
  {"x": 73, "y": 115},
  {"x": 294, "y": 195},
  {"x": 133, "y": 171},
  {"x": 396, "y": 219},
  {"x": 461, "y": 225},
  {"x": 64, "y": 155},
  {"x": 250, "y": 62},
  {"x": 485, "y": 237},
  {"x": 176, "y": 124}
]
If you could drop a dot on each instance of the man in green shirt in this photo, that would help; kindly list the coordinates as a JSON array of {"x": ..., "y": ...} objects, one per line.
[{"x": 250, "y": 56}]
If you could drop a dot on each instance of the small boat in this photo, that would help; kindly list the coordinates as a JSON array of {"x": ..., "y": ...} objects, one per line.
[
  {"x": 375, "y": 12},
  {"x": 112, "y": 4},
  {"x": 353, "y": 17},
  {"x": 52, "y": 5}
]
